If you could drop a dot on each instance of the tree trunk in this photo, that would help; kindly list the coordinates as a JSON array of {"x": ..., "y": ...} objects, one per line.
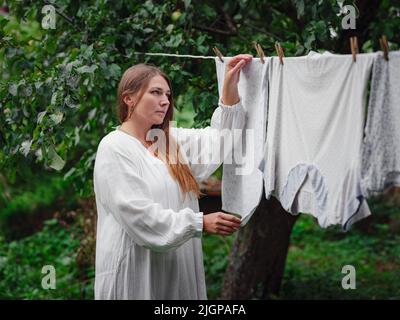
[{"x": 257, "y": 259}]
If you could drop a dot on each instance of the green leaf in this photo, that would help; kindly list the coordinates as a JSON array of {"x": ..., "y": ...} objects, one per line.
[
  {"x": 88, "y": 51},
  {"x": 115, "y": 70},
  {"x": 54, "y": 98},
  {"x": 69, "y": 102},
  {"x": 87, "y": 69},
  {"x": 77, "y": 137},
  {"x": 309, "y": 41},
  {"x": 56, "y": 162},
  {"x": 57, "y": 117},
  {"x": 25, "y": 147},
  {"x": 69, "y": 173},
  {"x": 174, "y": 41},
  {"x": 169, "y": 28},
  {"x": 92, "y": 113},
  {"x": 13, "y": 89},
  {"x": 40, "y": 116}
]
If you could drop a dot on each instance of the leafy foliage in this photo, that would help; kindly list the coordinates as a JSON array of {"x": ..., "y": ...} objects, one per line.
[
  {"x": 21, "y": 264},
  {"x": 58, "y": 86},
  {"x": 25, "y": 212}
]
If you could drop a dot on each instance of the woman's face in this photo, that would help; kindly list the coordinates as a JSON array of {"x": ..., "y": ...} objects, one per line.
[{"x": 154, "y": 104}]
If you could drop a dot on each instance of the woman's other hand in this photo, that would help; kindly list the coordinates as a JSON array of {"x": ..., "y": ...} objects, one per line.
[
  {"x": 230, "y": 93},
  {"x": 220, "y": 223}
]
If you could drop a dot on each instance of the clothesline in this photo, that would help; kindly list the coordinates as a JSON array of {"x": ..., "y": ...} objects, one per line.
[
  {"x": 175, "y": 55},
  {"x": 279, "y": 50},
  {"x": 189, "y": 56}
]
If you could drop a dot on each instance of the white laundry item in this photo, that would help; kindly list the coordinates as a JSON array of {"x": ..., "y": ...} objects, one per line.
[
  {"x": 242, "y": 180},
  {"x": 148, "y": 233},
  {"x": 381, "y": 147},
  {"x": 314, "y": 134}
]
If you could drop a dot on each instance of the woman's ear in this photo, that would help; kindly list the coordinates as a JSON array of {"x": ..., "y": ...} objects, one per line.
[{"x": 129, "y": 100}]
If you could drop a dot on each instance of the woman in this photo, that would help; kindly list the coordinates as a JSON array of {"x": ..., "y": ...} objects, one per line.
[{"x": 149, "y": 226}]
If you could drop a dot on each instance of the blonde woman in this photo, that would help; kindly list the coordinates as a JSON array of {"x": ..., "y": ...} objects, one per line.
[{"x": 149, "y": 226}]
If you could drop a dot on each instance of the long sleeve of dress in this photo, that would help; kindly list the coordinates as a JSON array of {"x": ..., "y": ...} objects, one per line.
[
  {"x": 207, "y": 148},
  {"x": 126, "y": 196}
]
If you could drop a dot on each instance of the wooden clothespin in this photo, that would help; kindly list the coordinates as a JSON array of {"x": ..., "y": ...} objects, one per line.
[
  {"x": 354, "y": 47},
  {"x": 279, "y": 51},
  {"x": 218, "y": 53},
  {"x": 385, "y": 47},
  {"x": 259, "y": 50}
]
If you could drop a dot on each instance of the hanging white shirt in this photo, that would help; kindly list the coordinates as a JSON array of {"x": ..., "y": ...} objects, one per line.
[
  {"x": 149, "y": 234},
  {"x": 315, "y": 125}
]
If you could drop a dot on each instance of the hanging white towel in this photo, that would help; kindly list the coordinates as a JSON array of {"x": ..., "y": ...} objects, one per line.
[{"x": 242, "y": 180}]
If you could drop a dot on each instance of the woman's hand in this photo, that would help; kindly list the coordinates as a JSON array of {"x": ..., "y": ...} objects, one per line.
[
  {"x": 230, "y": 93},
  {"x": 220, "y": 223}
]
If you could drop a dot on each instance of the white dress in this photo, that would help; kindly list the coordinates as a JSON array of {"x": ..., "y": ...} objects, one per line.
[{"x": 148, "y": 243}]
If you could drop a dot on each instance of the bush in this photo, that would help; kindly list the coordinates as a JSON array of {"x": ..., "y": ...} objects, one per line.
[
  {"x": 316, "y": 257},
  {"x": 25, "y": 212},
  {"x": 21, "y": 263}
]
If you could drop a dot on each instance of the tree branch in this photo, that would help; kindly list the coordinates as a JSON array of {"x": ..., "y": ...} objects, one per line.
[
  {"x": 229, "y": 21},
  {"x": 215, "y": 30}
]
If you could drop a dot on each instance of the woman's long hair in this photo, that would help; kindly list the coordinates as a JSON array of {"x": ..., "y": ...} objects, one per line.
[{"x": 135, "y": 80}]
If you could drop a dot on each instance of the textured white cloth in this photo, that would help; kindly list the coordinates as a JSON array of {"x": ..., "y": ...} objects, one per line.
[
  {"x": 315, "y": 129},
  {"x": 242, "y": 181},
  {"x": 149, "y": 234},
  {"x": 381, "y": 147}
]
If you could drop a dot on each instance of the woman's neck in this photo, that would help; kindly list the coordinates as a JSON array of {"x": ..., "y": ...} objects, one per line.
[{"x": 137, "y": 130}]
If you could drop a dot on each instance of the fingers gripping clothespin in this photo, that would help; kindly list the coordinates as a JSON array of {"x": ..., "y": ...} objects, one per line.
[
  {"x": 385, "y": 47},
  {"x": 218, "y": 53},
  {"x": 354, "y": 47}
]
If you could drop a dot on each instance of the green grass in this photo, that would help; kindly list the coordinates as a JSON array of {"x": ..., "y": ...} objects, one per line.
[
  {"x": 316, "y": 257},
  {"x": 21, "y": 264}
]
